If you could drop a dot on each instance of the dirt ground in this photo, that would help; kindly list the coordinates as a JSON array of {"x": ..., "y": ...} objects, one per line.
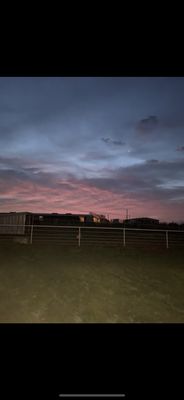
[{"x": 41, "y": 283}]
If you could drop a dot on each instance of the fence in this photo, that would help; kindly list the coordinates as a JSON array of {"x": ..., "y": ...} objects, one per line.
[{"x": 86, "y": 236}]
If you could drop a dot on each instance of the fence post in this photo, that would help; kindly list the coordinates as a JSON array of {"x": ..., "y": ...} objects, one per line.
[
  {"x": 124, "y": 243},
  {"x": 79, "y": 236},
  {"x": 167, "y": 240},
  {"x": 31, "y": 238}
]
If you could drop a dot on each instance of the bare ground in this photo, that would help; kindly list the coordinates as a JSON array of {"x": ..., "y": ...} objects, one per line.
[{"x": 42, "y": 283}]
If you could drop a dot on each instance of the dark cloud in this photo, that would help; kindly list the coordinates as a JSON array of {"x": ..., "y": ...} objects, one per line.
[
  {"x": 180, "y": 148},
  {"x": 152, "y": 161},
  {"x": 13, "y": 162},
  {"x": 149, "y": 180},
  {"x": 161, "y": 171},
  {"x": 96, "y": 155},
  {"x": 106, "y": 140},
  {"x": 118, "y": 142},
  {"x": 147, "y": 125}
]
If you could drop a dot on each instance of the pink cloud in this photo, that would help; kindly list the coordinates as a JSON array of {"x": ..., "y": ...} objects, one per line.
[{"x": 80, "y": 197}]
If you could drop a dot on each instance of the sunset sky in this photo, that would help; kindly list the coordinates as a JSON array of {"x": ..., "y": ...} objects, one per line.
[{"x": 93, "y": 144}]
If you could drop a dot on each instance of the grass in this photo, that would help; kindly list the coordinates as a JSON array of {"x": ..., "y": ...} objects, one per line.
[{"x": 53, "y": 284}]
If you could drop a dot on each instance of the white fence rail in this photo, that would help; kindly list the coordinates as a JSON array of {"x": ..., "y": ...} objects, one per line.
[{"x": 86, "y": 235}]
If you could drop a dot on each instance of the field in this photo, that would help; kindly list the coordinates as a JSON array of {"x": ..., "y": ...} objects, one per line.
[{"x": 47, "y": 283}]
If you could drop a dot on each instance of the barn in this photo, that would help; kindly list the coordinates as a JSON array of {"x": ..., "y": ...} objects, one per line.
[{"x": 15, "y": 225}]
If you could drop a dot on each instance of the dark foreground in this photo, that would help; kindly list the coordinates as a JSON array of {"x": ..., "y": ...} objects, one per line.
[{"x": 42, "y": 283}]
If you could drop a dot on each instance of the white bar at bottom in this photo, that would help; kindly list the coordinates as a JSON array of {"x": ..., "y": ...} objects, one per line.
[{"x": 92, "y": 395}]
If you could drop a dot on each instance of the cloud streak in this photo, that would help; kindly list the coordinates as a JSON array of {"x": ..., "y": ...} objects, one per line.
[
  {"x": 115, "y": 142},
  {"x": 147, "y": 125}
]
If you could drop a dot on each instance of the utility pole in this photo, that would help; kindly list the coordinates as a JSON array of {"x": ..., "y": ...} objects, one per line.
[{"x": 126, "y": 213}]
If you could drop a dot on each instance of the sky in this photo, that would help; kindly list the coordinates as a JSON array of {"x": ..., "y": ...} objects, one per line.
[{"x": 93, "y": 144}]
